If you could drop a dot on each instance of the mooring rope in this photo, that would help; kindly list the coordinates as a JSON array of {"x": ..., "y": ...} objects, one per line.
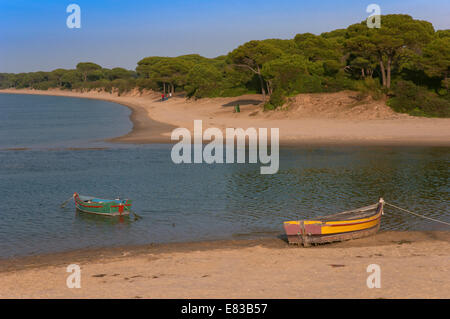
[{"x": 418, "y": 215}]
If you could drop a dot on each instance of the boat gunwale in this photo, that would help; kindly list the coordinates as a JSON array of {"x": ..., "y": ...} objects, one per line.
[
  {"x": 357, "y": 210},
  {"x": 84, "y": 199},
  {"x": 324, "y": 220},
  {"x": 353, "y": 222}
]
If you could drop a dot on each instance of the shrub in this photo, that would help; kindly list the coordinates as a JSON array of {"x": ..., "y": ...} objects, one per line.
[
  {"x": 442, "y": 92},
  {"x": 416, "y": 100},
  {"x": 369, "y": 86},
  {"x": 269, "y": 107},
  {"x": 277, "y": 98},
  {"x": 339, "y": 83},
  {"x": 44, "y": 85},
  {"x": 124, "y": 85}
]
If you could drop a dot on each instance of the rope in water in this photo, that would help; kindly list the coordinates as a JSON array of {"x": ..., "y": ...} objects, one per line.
[{"x": 418, "y": 215}]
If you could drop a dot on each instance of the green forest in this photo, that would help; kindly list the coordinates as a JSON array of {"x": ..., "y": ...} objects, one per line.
[{"x": 405, "y": 61}]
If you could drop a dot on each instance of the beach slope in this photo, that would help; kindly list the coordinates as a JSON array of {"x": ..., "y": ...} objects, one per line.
[{"x": 412, "y": 265}]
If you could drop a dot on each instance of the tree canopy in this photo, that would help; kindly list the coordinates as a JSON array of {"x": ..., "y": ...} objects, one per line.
[{"x": 406, "y": 61}]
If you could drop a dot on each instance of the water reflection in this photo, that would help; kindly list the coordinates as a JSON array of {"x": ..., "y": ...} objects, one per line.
[
  {"x": 320, "y": 181},
  {"x": 99, "y": 220}
]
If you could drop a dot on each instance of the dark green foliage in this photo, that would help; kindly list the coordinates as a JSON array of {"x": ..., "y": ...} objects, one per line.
[
  {"x": 118, "y": 73},
  {"x": 369, "y": 86},
  {"x": 307, "y": 84},
  {"x": 340, "y": 82},
  {"x": 204, "y": 80},
  {"x": 435, "y": 60},
  {"x": 89, "y": 71},
  {"x": 147, "y": 84},
  {"x": 276, "y": 99},
  {"x": 418, "y": 101},
  {"x": 405, "y": 59}
]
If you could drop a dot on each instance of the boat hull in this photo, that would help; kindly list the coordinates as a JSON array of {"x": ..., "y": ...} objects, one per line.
[
  {"x": 339, "y": 227},
  {"x": 102, "y": 207}
]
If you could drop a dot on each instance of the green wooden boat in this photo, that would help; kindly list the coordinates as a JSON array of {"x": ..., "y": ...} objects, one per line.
[{"x": 99, "y": 206}]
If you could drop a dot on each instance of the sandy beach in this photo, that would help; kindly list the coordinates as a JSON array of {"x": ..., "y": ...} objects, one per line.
[
  {"x": 326, "y": 118},
  {"x": 412, "y": 264}
]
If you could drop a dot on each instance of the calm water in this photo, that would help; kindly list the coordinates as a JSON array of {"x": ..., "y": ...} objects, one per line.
[
  {"x": 51, "y": 121},
  {"x": 186, "y": 202}
]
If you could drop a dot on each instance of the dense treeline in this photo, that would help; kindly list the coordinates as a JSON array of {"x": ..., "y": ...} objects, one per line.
[{"x": 405, "y": 60}]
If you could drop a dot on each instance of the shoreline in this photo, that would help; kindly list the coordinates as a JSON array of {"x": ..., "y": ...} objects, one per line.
[
  {"x": 234, "y": 269},
  {"x": 381, "y": 238},
  {"x": 154, "y": 120},
  {"x": 142, "y": 123}
]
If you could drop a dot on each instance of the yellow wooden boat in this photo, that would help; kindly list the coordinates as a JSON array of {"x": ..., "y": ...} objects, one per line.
[{"x": 357, "y": 223}]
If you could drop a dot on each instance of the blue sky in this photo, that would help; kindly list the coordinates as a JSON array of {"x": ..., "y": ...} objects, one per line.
[{"x": 34, "y": 35}]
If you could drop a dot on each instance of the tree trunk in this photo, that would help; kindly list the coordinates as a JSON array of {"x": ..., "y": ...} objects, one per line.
[
  {"x": 383, "y": 72},
  {"x": 388, "y": 80},
  {"x": 262, "y": 84},
  {"x": 269, "y": 88},
  {"x": 362, "y": 73}
]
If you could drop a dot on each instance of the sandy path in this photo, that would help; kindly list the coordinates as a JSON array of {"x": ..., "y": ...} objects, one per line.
[
  {"x": 413, "y": 265},
  {"x": 340, "y": 121}
]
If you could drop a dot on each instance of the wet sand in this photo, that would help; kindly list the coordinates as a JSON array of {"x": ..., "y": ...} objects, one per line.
[
  {"x": 325, "y": 119},
  {"x": 413, "y": 265}
]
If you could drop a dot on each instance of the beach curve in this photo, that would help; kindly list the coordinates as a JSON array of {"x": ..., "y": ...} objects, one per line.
[{"x": 370, "y": 124}]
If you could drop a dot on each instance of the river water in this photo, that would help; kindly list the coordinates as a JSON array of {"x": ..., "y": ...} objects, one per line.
[{"x": 51, "y": 147}]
